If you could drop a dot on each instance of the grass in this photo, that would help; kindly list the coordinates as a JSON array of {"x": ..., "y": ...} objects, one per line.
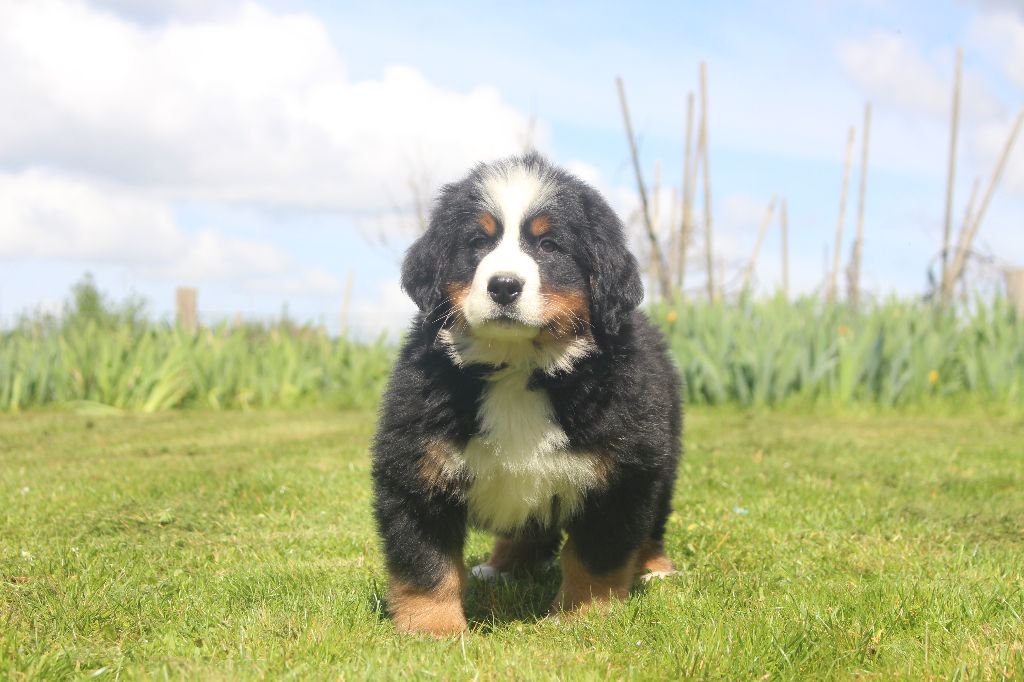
[
  {"x": 749, "y": 353},
  {"x": 891, "y": 354},
  {"x": 239, "y": 545}
]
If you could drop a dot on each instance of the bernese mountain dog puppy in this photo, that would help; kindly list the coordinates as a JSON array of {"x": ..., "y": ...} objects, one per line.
[{"x": 531, "y": 398}]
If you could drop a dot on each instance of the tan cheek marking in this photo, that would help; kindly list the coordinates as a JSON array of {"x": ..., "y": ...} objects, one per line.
[
  {"x": 566, "y": 313},
  {"x": 652, "y": 559},
  {"x": 437, "y": 611},
  {"x": 512, "y": 555},
  {"x": 540, "y": 225},
  {"x": 488, "y": 224},
  {"x": 457, "y": 293},
  {"x": 438, "y": 470},
  {"x": 581, "y": 588}
]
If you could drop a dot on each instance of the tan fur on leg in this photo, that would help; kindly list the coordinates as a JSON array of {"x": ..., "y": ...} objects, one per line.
[
  {"x": 436, "y": 611},
  {"x": 513, "y": 555},
  {"x": 652, "y": 562},
  {"x": 580, "y": 588}
]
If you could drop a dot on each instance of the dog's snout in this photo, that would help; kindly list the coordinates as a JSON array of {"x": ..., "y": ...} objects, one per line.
[{"x": 504, "y": 289}]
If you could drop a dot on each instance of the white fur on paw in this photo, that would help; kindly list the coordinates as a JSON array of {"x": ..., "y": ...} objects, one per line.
[
  {"x": 489, "y": 573},
  {"x": 656, "y": 575}
]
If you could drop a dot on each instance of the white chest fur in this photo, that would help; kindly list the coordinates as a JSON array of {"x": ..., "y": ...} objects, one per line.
[{"x": 520, "y": 461}]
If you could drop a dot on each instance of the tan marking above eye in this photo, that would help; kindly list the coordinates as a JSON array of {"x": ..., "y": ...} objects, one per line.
[
  {"x": 488, "y": 224},
  {"x": 540, "y": 225}
]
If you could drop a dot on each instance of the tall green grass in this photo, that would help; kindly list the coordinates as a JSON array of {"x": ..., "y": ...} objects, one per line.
[
  {"x": 99, "y": 354},
  {"x": 775, "y": 352},
  {"x": 895, "y": 353}
]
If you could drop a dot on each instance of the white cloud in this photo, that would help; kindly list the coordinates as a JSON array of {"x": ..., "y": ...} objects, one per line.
[
  {"x": 1007, "y": 5},
  {"x": 117, "y": 112},
  {"x": 164, "y": 10},
  {"x": 913, "y": 91},
  {"x": 889, "y": 69},
  {"x": 893, "y": 71},
  {"x": 250, "y": 106},
  {"x": 51, "y": 216},
  {"x": 999, "y": 35},
  {"x": 388, "y": 310},
  {"x": 44, "y": 215}
]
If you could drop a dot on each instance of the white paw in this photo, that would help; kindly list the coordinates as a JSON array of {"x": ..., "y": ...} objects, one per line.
[
  {"x": 489, "y": 573},
  {"x": 656, "y": 575}
]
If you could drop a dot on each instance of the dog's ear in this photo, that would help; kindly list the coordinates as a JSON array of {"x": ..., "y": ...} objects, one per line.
[
  {"x": 615, "y": 285},
  {"x": 423, "y": 269}
]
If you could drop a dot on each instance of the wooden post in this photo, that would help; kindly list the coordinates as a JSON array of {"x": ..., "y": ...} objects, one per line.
[
  {"x": 748, "y": 274},
  {"x": 709, "y": 251},
  {"x": 187, "y": 311},
  {"x": 853, "y": 272},
  {"x": 834, "y": 271},
  {"x": 689, "y": 171},
  {"x": 1015, "y": 289},
  {"x": 975, "y": 224},
  {"x": 951, "y": 172},
  {"x": 663, "y": 280},
  {"x": 784, "y": 224}
]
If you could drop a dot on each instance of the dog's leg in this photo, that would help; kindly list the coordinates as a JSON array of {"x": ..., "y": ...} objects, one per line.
[
  {"x": 652, "y": 562},
  {"x": 423, "y": 542},
  {"x": 513, "y": 555},
  {"x": 600, "y": 558},
  {"x": 583, "y": 584},
  {"x": 429, "y": 609}
]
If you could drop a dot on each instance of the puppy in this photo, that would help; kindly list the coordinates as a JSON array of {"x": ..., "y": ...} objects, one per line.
[{"x": 531, "y": 398}]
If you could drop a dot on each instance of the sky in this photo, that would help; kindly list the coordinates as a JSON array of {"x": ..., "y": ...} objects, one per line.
[{"x": 267, "y": 152}]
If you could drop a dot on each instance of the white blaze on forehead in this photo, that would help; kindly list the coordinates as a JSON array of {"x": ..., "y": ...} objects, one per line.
[{"x": 510, "y": 195}]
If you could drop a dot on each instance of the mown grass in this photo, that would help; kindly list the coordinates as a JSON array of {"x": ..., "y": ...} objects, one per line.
[{"x": 239, "y": 545}]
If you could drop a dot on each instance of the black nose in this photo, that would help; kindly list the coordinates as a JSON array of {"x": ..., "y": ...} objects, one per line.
[{"x": 504, "y": 289}]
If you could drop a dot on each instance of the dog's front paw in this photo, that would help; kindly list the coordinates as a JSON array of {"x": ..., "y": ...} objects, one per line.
[
  {"x": 570, "y": 605},
  {"x": 436, "y": 622},
  {"x": 436, "y": 611}
]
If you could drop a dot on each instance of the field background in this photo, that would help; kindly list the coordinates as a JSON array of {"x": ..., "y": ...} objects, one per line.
[
  {"x": 107, "y": 355},
  {"x": 825, "y": 201},
  {"x": 849, "y": 505}
]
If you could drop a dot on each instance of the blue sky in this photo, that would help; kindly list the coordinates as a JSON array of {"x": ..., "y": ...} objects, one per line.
[{"x": 263, "y": 151}]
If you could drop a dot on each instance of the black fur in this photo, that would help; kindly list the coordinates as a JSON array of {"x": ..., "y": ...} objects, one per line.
[{"x": 622, "y": 400}]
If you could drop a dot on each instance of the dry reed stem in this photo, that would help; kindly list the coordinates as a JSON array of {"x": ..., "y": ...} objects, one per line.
[
  {"x": 834, "y": 271},
  {"x": 853, "y": 273},
  {"x": 765, "y": 222},
  {"x": 663, "y": 278},
  {"x": 689, "y": 179},
  {"x": 951, "y": 170},
  {"x": 784, "y": 225},
  {"x": 709, "y": 250},
  {"x": 975, "y": 224}
]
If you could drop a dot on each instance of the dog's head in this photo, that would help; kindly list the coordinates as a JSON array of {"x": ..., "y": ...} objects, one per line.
[{"x": 521, "y": 249}]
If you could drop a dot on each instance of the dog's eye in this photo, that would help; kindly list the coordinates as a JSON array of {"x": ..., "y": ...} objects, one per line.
[
  {"x": 479, "y": 241},
  {"x": 548, "y": 245}
]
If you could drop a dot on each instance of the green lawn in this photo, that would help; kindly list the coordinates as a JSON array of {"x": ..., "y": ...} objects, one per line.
[{"x": 240, "y": 545}]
